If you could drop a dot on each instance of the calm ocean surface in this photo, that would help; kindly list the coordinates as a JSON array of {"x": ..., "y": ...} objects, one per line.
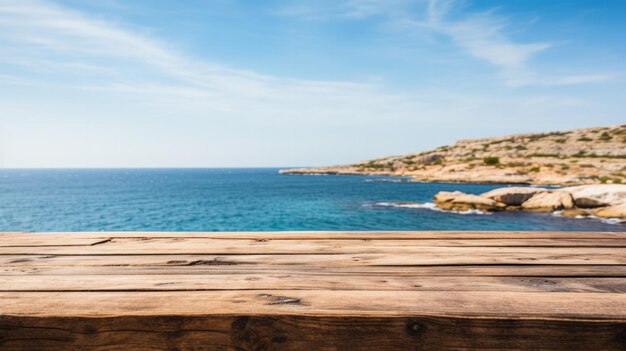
[{"x": 240, "y": 200}]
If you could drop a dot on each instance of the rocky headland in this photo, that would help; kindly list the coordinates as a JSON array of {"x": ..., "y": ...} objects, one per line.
[
  {"x": 574, "y": 157},
  {"x": 601, "y": 200}
]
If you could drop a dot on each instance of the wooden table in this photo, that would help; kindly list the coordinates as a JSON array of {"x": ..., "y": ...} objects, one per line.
[{"x": 313, "y": 291}]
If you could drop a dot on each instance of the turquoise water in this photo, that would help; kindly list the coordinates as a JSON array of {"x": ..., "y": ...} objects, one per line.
[{"x": 240, "y": 200}]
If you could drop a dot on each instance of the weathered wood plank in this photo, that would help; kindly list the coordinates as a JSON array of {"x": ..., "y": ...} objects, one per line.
[
  {"x": 331, "y": 235},
  {"x": 431, "y": 254},
  {"x": 415, "y": 256},
  {"x": 207, "y": 269},
  {"x": 214, "y": 242},
  {"x": 307, "y": 281},
  {"x": 555, "y": 305},
  {"x": 297, "y": 333},
  {"x": 321, "y": 290}
]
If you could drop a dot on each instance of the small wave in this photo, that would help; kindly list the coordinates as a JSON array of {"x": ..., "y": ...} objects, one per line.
[
  {"x": 429, "y": 206},
  {"x": 603, "y": 220},
  {"x": 609, "y": 220},
  {"x": 469, "y": 212},
  {"x": 384, "y": 180}
]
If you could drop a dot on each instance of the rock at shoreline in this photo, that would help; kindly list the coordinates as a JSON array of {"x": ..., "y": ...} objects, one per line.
[
  {"x": 575, "y": 212},
  {"x": 616, "y": 211},
  {"x": 458, "y": 201},
  {"x": 549, "y": 202},
  {"x": 611, "y": 198},
  {"x": 598, "y": 195},
  {"x": 446, "y": 196},
  {"x": 513, "y": 196}
]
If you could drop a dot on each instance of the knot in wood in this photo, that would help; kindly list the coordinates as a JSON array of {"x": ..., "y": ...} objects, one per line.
[{"x": 415, "y": 328}]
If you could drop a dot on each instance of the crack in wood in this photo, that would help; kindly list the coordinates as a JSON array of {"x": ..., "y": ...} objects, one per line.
[
  {"x": 213, "y": 262},
  {"x": 281, "y": 300},
  {"x": 101, "y": 242}
]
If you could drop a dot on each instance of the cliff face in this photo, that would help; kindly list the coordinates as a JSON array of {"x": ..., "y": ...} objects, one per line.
[{"x": 580, "y": 156}]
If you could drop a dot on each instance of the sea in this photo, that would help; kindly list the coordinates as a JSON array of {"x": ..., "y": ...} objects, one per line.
[{"x": 244, "y": 199}]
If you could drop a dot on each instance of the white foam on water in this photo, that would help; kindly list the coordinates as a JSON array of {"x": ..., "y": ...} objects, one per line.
[
  {"x": 603, "y": 220},
  {"x": 609, "y": 220},
  {"x": 386, "y": 180},
  {"x": 429, "y": 206}
]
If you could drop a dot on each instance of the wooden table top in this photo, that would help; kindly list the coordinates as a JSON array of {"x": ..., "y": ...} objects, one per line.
[{"x": 313, "y": 290}]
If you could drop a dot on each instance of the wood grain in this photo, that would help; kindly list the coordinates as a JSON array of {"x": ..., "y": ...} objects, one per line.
[
  {"x": 42, "y": 240},
  {"x": 313, "y": 291},
  {"x": 410, "y": 257},
  {"x": 204, "y": 268},
  {"x": 304, "y": 281},
  {"x": 329, "y": 235},
  {"x": 558, "y": 305},
  {"x": 297, "y": 333}
]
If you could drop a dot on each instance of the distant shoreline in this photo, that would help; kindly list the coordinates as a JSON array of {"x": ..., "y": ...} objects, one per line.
[{"x": 576, "y": 157}]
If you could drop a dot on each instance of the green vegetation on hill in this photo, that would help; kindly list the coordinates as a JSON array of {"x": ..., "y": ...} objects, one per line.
[{"x": 551, "y": 157}]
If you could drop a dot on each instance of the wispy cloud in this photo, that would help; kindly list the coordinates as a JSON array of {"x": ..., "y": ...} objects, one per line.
[
  {"x": 48, "y": 36},
  {"x": 38, "y": 35},
  {"x": 482, "y": 35},
  {"x": 62, "y": 70}
]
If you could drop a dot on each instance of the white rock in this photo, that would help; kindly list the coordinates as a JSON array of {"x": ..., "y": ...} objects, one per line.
[
  {"x": 447, "y": 196},
  {"x": 549, "y": 201},
  {"x": 512, "y": 196},
  {"x": 615, "y": 211},
  {"x": 459, "y": 201},
  {"x": 597, "y": 195}
]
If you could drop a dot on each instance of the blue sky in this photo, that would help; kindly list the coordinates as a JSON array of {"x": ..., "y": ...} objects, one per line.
[{"x": 229, "y": 83}]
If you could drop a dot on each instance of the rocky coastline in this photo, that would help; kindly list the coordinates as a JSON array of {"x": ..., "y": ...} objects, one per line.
[
  {"x": 581, "y": 156},
  {"x": 606, "y": 201},
  {"x": 589, "y": 163}
]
